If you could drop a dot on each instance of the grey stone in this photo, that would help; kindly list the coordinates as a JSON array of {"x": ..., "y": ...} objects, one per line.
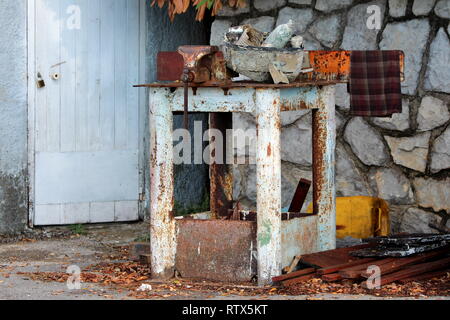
[
  {"x": 440, "y": 155},
  {"x": 396, "y": 214},
  {"x": 301, "y": 18},
  {"x": 437, "y": 77},
  {"x": 266, "y": 5},
  {"x": 398, "y": 121},
  {"x": 327, "y": 30},
  {"x": 289, "y": 117},
  {"x": 237, "y": 183},
  {"x": 263, "y": 24},
  {"x": 432, "y": 193},
  {"x": 349, "y": 181},
  {"x": 249, "y": 183},
  {"x": 342, "y": 96},
  {"x": 310, "y": 43},
  {"x": 391, "y": 185},
  {"x": 290, "y": 176},
  {"x": 228, "y": 11},
  {"x": 397, "y": 36},
  {"x": 218, "y": 30},
  {"x": 340, "y": 121},
  {"x": 423, "y": 7},
  {"x": 245, "y": 122},
  {"x": 397, "y": 8},
  {"x": 330, "y": 5},
  {"x": 366, "y": 143},
  {"x": 410, "y": 152},
  {"x": 432, "y": 113},
  {"x": 442, "y": 9},
  {"x": 357, "y": 36},
  {"x": 417, "y": 221},
  {"x": 307, "y": 2},
  {"x": 297, "y": 141}
]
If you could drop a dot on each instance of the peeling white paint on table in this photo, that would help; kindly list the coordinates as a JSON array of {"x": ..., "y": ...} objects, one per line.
[{"x": 267, "y": 104}]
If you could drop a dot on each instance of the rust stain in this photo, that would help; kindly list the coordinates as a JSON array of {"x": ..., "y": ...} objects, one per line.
[
  {"x": 269, "y": 150},
  {"x": 216, "y": 249}
]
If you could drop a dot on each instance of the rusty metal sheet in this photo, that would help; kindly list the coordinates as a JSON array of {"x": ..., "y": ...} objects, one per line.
[
  {"x": 169, "y": 66},
  {"x": 216, "y": 250},
  {"x": 298, "y": 237},
  {"x": 335, "y": 65}
]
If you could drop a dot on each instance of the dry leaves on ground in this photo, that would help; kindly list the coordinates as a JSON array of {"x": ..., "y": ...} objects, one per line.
[{"x": 130, "y": 275}]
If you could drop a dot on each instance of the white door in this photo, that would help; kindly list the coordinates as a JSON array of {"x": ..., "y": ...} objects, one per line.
[{"x": 86, "y": 118}]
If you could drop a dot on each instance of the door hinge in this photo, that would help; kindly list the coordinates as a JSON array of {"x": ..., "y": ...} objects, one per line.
[{"x": 142, "y": 196}]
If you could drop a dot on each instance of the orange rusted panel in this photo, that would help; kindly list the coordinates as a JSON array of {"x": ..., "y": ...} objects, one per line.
[{"x": 335, "y": 65}]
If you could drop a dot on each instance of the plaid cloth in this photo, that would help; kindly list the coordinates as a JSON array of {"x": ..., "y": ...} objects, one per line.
[{"x": 374, "y": 84}]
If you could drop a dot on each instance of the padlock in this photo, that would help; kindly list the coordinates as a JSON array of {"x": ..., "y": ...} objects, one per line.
[{"x": 40, "y": 82}]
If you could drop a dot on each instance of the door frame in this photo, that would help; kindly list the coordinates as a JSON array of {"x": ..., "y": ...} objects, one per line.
[{"x": 31, "y": 56}]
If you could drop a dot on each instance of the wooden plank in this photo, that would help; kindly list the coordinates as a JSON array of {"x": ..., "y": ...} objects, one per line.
[
  {"x": 300, "y": 195},
  {"x": 355, "y": 271},
  {"x": 427, "y": 276},
  {"x": 68, "y": 81},
  {"x": 108, "y": 32},
  {"x": 82, "y": 80},
  {"x": 413, "y": 271},
  {"x": 294, "y": 274},
  {"x": 304, "y": 278},
  {"x": 93, "y": 70},
  {"x": 134, "y": 68},
  {"x": 120, "y": 75},
  {"x": 332, "y": 277},
  {"x": 54, "y": 88},
  {"x": 332, "y": 257},
  {"x": 404, "y": 262},
  {"x": 335, "y": 268},
  {"x": 42, "y": 24},
  {"x": 293, "y": 264}
]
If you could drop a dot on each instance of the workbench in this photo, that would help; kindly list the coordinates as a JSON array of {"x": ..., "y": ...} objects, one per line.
[{"x": 316, "y": 232}]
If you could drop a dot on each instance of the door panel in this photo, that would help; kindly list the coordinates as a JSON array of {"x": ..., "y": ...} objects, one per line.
[{"x": 86, "y": 116}]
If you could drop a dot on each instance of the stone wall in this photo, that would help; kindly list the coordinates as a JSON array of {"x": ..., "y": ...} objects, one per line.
[{"x": 404, "y": 159}]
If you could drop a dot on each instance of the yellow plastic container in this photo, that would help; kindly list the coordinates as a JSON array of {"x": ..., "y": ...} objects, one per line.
[{"x": 361, "y": 217}]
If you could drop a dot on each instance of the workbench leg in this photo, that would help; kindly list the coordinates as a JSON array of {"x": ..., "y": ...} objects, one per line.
[
  {"x": 268, "y": 184},
  {"x": 324, "y": 145},
  {"x": 221, "y": 172},
  {"x": 162, "y": 222}
]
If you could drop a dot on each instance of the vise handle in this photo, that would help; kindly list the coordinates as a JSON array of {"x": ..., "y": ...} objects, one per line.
[{"x": 194, "y": 71}]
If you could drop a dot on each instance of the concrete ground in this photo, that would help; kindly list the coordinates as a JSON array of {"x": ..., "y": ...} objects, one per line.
[{"x": 96, "y": 246}]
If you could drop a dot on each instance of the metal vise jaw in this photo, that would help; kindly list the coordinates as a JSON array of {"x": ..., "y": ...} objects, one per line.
[{"x": 201, "y": 64}]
